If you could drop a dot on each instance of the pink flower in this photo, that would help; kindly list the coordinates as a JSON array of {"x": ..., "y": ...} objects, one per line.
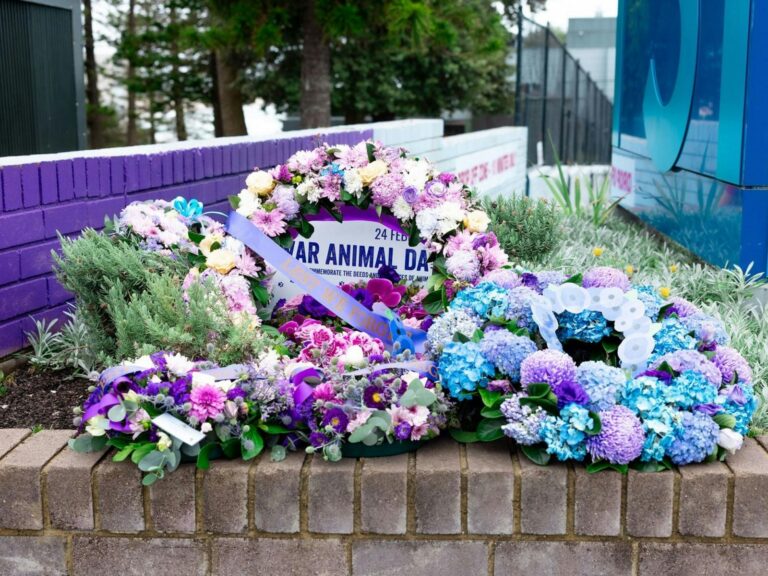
[
  {"x": 384, "y": 291},
  {"x": 325, "y": 392},
  {"x": 207, "y": 402},
  {"x": 271, "y": 223}
]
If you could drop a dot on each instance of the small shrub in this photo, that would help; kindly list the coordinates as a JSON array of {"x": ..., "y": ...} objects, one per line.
[
  {"x": 527, "y": 229},
  {"x": 67, "y": 349}
]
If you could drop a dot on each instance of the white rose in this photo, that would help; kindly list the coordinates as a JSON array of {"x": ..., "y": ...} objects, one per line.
[
  {"x": 249, "y": 203},
  {"x": 353, "y": 357},
  {"x": 730, "y": 440},
  {"x": 206, "y": 427},
  {"x": 476, "y": 221},
  {"x": 260, "y": 183}
]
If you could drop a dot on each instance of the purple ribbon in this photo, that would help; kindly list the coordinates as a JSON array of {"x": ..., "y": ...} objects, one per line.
[
  {"x": 302, "y": 390},
  {"x": 330, "y": 296}
]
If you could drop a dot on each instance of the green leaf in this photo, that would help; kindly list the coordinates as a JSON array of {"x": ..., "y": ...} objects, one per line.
[
  {"x": 663, "y": 310},
  {"x": 258, "y": 443},
  {"x": 665, "y": 367},
  {"x": 150, "y": 479},
  {"x": 439, "y": 266},
  {"x": 333, "y": 211},
  {"x": 260, "y": 294},
  {"x": 491, "y": 399},
  {"x": 142, "y": 451},
  {"x": 305, "y": 228},
  {"x": 544, "y": 403},
  {"x": 414, "y": 236},
  {"x": 487, "y": 412},
  {"x": 575, "y": 279},
  {"x": 116, "y": 413},
  {"x": 463, "y": 436},
  {"x": 598, "y": 465},
  {"x": 234, "y": 201},
  {"x": 152, "y": 461},
  {"x": 87, "y": 443},
  {"x": 417, "y": 395},
  {"x": 724, "y": 420},
  {"x": 610, "y": 346},
  {"x": 434, "y": 302},
  {"x": 274, "y": 429},
  {"x": 195, "y": 237},
  {"x": 370, "y": 148},
  {"x": 124, "y": 453},
  {"x": 490, "y": 429},
  {"x": 597, "y": 425},
  {"x": 460, "y": 337},
  {"x": 536, "y": 454},
  {"x": 648, "y": 466},
  {"x": 539, "y": 390},
  {"x": 204, "y": 454},
  {"x": 284, "y": 240},
  {"x": 231, "y": 448}
]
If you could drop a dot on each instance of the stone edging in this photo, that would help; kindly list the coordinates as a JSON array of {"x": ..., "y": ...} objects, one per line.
[{"x": 477, "y": 509}]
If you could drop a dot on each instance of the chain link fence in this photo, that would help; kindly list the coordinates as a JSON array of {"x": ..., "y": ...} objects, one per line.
[{"x": 557, "y": 100}]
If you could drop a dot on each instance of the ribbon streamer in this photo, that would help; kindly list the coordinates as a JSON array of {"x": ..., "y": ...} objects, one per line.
[{"x": 330, "y": 296}]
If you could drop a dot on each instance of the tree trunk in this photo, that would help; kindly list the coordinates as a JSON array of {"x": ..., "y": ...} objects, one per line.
[
  {"x": 230, "y": 96},
  {"x": 131, "y": 132},
  {"x": 178, "y": 96},
  {"x": 218, "y": 129},
  {"x": 95, "y": 125},
  {"x": 315, "y": 97}
]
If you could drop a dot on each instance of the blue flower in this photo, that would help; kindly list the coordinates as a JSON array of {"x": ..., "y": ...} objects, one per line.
[
  {"x": 519, "y": 307},
  {"x": 587, "y": 326},
  {"x": 601, "y": 382},
  {"x": 566, "y": 435},
  {"x": 646, "y": 396},
  {"x": 693, "y": 438},
  {"x": 487, "y": 300},
  {"x": 690, "y": 389},
  {"x": 672, "y": 337},
  {"x": 463, "y": 369},
  {"x": 649, "y": 296},
  {"x": 507, "y": 351},
  {"x": 741, "y": 405}
]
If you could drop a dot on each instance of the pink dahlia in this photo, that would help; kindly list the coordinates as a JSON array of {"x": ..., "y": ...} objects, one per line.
[{"x": 207, "y": 402}]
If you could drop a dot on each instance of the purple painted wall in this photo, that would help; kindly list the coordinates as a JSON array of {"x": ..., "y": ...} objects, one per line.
[{"x": 37, "y": 199}]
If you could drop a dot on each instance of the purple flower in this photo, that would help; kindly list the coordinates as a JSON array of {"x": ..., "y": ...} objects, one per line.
[
  {"x": 708, "y": 409},
  {"x": 337, "y": 419},
  {"x": 426, "y": 323},
  {"x": 410, "y": 194},
  {"x": 529, "y": 280},
  {"x": 403, "y": 431},
  {"x": 736, "y": 395},
  {"x": 570, "y": 393},
  {"x": 317, "y": 439},
  {"x": 446, "y": 177},
  {"x": 659, "y": 375},
  {"x": 732, "y": 365},
  {"x": 389, "y": 273},
  {"x": 435, "y": 188},
  {"x": 547, "y": 366},
  {"x": 235, "y": 392},
  {"x": 621, "y": 437},
  {"x": 362, "y": 295},
  {"x": 606, "y": 277},
  {"x": 311, "y": 307},
  {"x": 374, "y": 397},
  {"x": 681, "y": 307}
]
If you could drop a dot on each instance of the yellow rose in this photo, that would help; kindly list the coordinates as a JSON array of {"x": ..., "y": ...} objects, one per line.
[
  {"x": 221, "y": 260},
  {"x": 476, "y": 221},
  {"x": 369, "y": 173},
  {"x": 260, "y": 183},
  {"x": 207, "y": 242}
]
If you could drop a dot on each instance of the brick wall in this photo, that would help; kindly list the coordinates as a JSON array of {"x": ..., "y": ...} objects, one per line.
[
  {"x": 447, "y": 509},
  {"x": 40, "y": 195}
]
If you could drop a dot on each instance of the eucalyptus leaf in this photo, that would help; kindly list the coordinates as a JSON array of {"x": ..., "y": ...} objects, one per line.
[
  {"x": 150, "y": 479},
  {"x": 153, "y": 460},
  {"x": 417, "y": 395},
  {"x": 278, "y": 453},
  {"x": 87, "y": 443},
  {"x": 117, "y": 413}
]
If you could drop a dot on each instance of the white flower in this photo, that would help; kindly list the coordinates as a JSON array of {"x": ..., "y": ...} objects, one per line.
[
  {"x": 730, "y": 440},
  {"x": 248, "y": 203},
  {"x": 477, "y": 221},
  {"x": 206, "y": 427},
  {"x": 224, "y": 385},
  {"x": 269, "y": 361},
  {"x": 612, "y": 313},
  {"x": 310, "y": 190},
  {"x": 631, "y": 326},
  {"x": 200, "y": 379},
  {"x": 541, "y": 311},
  {"x": 417, "y": 172},
  {"x": 401, "y": 209},
  {"x": 632, "y": 308},
  {"x": 636, "y": 349},
  {"x": 611, "y": 297},
  {"x": 97, "y": 426},
  {"x": 451, "y": 211},
  {"x": 234, "y": 245},
  {"x": 574, "y": 298},
  {"x": 145, "y": 363},
  {"x": 594, "y": 295},
  {"x": 352, "y": 182},
  {"x": 178, "y": 364},
  {"x": 552, "y": 294},
  {"x": 164, "y": 441},
  {"x": 427, "y": 222},
  {"x": 260, "y": 183},
  {"x": 353, "y": 357}
]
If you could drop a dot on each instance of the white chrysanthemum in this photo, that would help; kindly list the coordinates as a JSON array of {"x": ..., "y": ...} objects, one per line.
[
  {"x": 416, "y": 173},
  {"x": 310, "y": 190},
  {"x": 178, "y": 364},
  {"x": 352, "y": 182},
  {"x": 427, "y": 222},
  {"x": 401, "y": 209}
]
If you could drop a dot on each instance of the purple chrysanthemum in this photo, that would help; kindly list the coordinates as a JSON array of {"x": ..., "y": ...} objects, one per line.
[
  {"x": 731, "y": 365},
  {"x": 606, "y": 277},
  {"x": 621, "y": 437},
  {"x": 681, "y": 307},
  {"x": 683, "y": 360},
  {"x": 548, "y": 366}
]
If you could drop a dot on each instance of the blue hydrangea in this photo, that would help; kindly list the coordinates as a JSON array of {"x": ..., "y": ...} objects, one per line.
[
  {"x": 586, "y": 326},
  {"x": 446, "y": 325},
  {"x": 690, "y": 389},
  {"x": 693, "y": 438},
  {"x": 658, "y": 435},
  {"x": 601, "y": 383},
  {"x": 649, "y": 296},
  {"x": 519, "y": 306},
  {"x": 566, "y": 435},
  {"x": 487, "y": 300},
  {"x": 507, "y": 351},
  {"x": 646, "y": 396},
  {"x": 743, "y": 409},
  {"x": 672, "y": 337},
  {"x": 701, "y": 324},
  {"x": 464, "y": 369}
]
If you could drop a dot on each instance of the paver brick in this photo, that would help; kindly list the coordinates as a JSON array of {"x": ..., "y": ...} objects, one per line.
[
  {"x": 33, "y": 556},
  {"x": 437, "y": 495},
  {"x": 422, "y": 558},
  {"x": 120, "y": 503},
  {"x": 331, "y": 496},
  {"x": 750, "y": 496},
  {"x": 68, "y": 489},
  {"x": 649, "y": 503},
  {"x": 94, "y": 556},
  {"x": 225, "y": 497},
  {"x": 543, "y": 497},
  {"x": 703, "y": 499},
  {"x": 384, "y": 495},
  {"x": 172, "y": 501},
  {"x": 597, "y": 506},
  {"x": 564, "y": 558},
  {"x": 490, "y": 489},
  {"x": 283, "y": 557},
  {"x": 276, "y": 493}
]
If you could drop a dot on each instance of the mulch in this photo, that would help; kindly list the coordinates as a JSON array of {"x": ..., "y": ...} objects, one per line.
[{"x": 40, "y": 399}]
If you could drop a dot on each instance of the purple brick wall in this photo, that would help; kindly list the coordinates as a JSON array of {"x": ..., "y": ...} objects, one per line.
[{"x": 39, "y": 199}]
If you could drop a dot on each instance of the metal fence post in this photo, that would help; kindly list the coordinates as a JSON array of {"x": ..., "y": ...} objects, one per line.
[
  {"x": 545, "y": 87},
  {"x": 576, "y": 114},
  {"x": 518, "y": 79},
  {"x": 561, "y": 150}
]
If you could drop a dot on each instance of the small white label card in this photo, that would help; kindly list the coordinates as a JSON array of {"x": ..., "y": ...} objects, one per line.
[{"x": 178, "y": 429}]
